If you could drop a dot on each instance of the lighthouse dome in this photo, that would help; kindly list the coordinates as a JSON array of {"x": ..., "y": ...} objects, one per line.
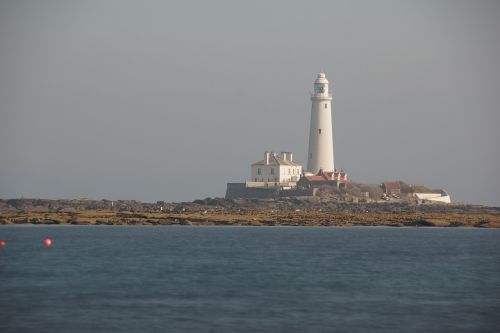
[{"x": 321, "y": 78}]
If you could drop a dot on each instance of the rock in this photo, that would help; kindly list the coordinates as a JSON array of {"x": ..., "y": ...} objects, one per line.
[{"x": 420, "y": 223}]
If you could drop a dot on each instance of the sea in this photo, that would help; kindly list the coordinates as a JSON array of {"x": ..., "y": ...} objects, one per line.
[{"x": 249, "y": 279}]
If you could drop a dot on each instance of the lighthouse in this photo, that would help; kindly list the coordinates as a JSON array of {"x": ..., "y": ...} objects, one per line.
[{"x": 320, "y": 155}]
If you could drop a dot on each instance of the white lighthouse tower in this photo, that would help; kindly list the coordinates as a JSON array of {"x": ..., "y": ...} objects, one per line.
[{"x": 320, "y": 135}]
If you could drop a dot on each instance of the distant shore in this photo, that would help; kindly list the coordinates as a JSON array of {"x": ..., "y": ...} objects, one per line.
[{"x": 255, "y": 218}]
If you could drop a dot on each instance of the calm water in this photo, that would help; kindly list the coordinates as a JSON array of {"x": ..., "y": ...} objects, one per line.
[{"x": 249, "y": 279}]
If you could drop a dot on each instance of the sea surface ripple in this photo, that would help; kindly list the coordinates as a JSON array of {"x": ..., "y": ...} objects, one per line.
[{"x": 249, "y": 279}]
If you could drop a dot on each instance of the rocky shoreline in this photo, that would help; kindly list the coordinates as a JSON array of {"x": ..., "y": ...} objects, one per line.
[
  {"x": 217, "y": 211},
  {"x": 256, "y": 218}
]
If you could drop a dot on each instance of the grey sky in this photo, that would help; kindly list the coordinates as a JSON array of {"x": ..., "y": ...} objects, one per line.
[{"x": 163, "y": 100}]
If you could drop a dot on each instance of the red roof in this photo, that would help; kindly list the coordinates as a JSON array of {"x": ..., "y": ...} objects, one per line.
[
  {"x": 316, "y": 178},
  {"x": 392, "y": 185},
  {"x": 328, "y": 176}
]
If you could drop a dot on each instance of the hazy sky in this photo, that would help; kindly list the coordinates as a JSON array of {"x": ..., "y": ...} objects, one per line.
[{"x": 169, "y": 100}]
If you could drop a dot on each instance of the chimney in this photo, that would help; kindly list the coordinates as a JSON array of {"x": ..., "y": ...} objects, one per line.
[
  {"x": 266, "y": 157},
  {"x": 283, "y": 155},
  {"x": 290, "y": 157}
]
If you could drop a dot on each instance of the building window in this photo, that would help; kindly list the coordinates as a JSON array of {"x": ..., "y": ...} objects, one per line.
[
  {"x": 258, "y": 171},
  {"x": 319, "y": 131},
  {"x": 326, "y": 106},
  {"x": 272, "y": 171}
]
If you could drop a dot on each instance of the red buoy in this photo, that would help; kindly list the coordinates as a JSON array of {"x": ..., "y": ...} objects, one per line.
[
  {"x": 47, "y": 242},
  {"x": 2, "y": 243}
]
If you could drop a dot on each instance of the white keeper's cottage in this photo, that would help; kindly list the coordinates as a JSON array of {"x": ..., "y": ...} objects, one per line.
[{"x": 275, "y": 170}]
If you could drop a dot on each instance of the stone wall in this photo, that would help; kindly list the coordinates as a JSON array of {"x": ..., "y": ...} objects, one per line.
[
  {"x": 307, "y": 192},
  {"x": 239, "y": 190}
]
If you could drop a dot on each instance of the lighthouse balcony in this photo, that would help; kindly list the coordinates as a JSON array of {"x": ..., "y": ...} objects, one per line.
[{"x": 321, "y": 96}]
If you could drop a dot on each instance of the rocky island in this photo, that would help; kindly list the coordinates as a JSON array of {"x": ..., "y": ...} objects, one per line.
[{"x": 307, "y": 211}]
